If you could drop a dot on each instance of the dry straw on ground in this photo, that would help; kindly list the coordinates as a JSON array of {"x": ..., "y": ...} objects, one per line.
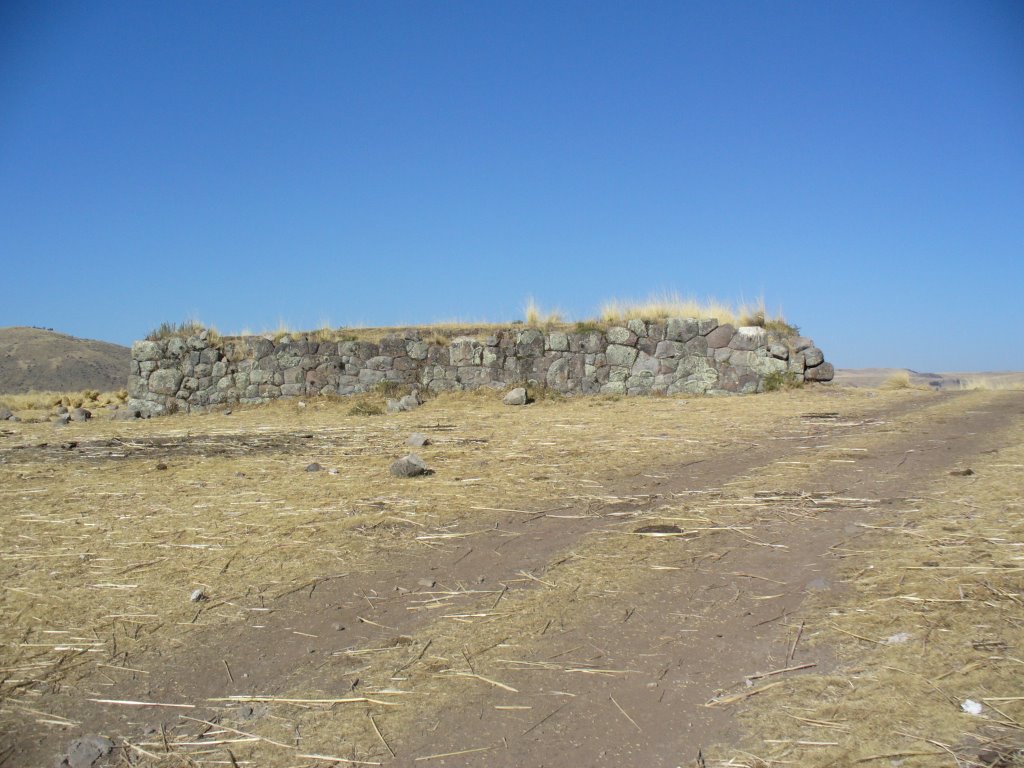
[
  {"x": 931, "y": 625},
  {"x": 101, "y": 550}
]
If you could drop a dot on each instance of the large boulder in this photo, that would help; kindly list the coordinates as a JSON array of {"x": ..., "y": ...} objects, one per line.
[
  {"x": 813, "y": 357},
  {"x": 823, "y": 372},
  {"x": 165, "y": 381}
]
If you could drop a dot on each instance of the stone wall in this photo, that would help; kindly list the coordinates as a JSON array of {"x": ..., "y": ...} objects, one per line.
[{"x": 677, "y": 355}]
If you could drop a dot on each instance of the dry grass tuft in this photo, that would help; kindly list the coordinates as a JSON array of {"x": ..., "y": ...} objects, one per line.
[
  {"x": 536, "y": 317},
  {"x": 674, "y": 305}
]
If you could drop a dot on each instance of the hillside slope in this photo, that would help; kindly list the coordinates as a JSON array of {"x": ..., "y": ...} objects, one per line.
[{"x": 41, "y": 360}]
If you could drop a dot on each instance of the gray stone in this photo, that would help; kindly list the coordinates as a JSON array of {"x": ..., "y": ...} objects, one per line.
[
  {"x": 313, "y": 467},
  {"x": 530, "y": 343},
  {"x": 558, "y": 341},
  {"x": 146, "y": 350},
  {"x": 417, "y": 350},
  {"x": 707, "y": 325},
  {"x": 86, "y": 751},
  {"x": 813, "y": 357},
  {"x": 749, "y": 337},
  {"x": 681, "y": 329},
  {"x": 638, "y": 327},
  {"x": 779, "y": 351},
  {"x": 822, "y": 372},
  {"x": 721, "y": 336},
  {"x": 5, "y": 413},
  {"x": 165, "y": 381},
  {"x": 417, "y": 440},
  {"x": 515, "y": 397},
  {"x": 465, "y": 351},
  {"x": 62, "y": 419},
  {"x": 667, "y": 349},
  {"x": 620, "y": 335},
  {"x": 592, "y": 342},
  {"x": 197, "y": 596},
  {"x": 393, "y": 346},
  {"x": 646, "y": 364},
  {"x": 409, "y": 466},
  {"x": 618, "y": 354},
  {"x": 176, "y": 347}
]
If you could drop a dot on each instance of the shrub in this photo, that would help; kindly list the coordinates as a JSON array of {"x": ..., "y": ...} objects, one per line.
[{"x": 365, "y": 408}]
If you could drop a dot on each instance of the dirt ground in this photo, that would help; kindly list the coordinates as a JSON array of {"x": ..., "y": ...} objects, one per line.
[{"x": 619, "y": 598}]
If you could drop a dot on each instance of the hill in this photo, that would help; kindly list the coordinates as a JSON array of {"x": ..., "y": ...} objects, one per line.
[
  {"x": 876, "y": 377},
  {"x": 46, "y": 361}
]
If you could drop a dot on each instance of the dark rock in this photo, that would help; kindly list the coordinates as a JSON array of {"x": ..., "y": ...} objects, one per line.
[
  {"x": 81, "y": 414},
  {"x": 69, "y": 445},
  {"x": 962, "y": 472},
  {"x": 161, "y": 466},
  {"x": 314, "y": 467},
  {"x": 721, "y": 336},
  {"x": 86, "y": 751},
  {"x": 5, "y": 413},
  {"x": 410, "y": 466},
  {"x": 813, "y": 357},
  {"x": 823, "y": 372}
]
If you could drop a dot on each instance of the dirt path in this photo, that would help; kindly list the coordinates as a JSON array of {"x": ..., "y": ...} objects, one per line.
[{"x": 618, "y": 677}]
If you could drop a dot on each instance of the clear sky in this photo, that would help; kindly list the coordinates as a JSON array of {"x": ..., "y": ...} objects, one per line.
[{"x": 859, "y": 164}]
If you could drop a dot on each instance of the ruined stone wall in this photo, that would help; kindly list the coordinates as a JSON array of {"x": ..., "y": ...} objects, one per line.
[{"x": 677, "y": 355}]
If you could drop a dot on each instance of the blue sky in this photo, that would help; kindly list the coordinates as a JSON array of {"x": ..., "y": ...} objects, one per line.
[{"x": 858, "y": 164}]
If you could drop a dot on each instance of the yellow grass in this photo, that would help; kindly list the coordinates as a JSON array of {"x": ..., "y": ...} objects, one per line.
[
  {"x": 31, "y": 404},
  {"x": 99, "y": 549},
  {"x": 536, "y": 317},
  {"x": 674, "y": 305}
]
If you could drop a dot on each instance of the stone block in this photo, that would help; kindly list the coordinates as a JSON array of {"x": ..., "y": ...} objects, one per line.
[
  {"x": 618, "y": 354},
  {"x": 720, "y": 336},
  {"x": 681, "y": 329},
  {"x": 621, "y": 336},
  {"x": 813, "y": 357}
]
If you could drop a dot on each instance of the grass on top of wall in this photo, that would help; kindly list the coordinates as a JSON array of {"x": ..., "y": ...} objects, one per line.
[{"x": 612, "y": 313}]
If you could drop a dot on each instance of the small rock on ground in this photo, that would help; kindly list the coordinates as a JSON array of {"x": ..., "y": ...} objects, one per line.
[
  {"x": 409, "y": 466},
  {"x": 516, "y": 396},
  {"x": 314, "y": 467},
  {"x": 417, "y": 440},
  {"x": 85, "y": 751}
]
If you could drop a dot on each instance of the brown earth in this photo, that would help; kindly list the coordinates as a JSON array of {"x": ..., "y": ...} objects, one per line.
[
  {"x": 636, "y": 666},
  {"x": 40, "y": 360}
]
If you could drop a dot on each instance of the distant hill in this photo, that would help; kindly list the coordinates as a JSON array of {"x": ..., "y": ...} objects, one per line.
[
  {"x": 876, "y": 377},
  {"x": 42, "y": 360}
]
